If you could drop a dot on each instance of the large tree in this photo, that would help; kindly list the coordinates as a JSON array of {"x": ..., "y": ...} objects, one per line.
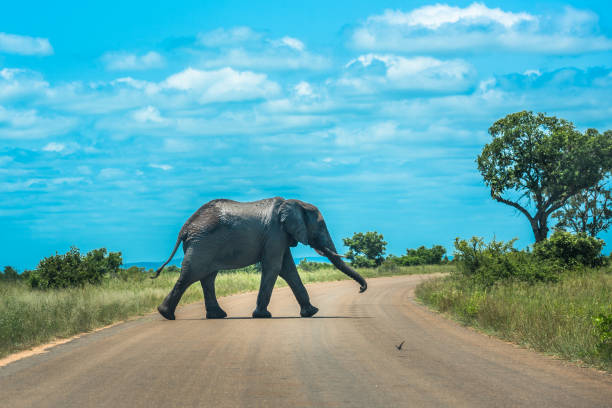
[
  {"x": 589, "y": 211},
  {"x": 365, "y": 250},
  {"x": 535, "y": 163}
]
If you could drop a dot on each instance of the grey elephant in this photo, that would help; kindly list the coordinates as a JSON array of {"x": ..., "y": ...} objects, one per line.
[{"x": 226, "y": 234}]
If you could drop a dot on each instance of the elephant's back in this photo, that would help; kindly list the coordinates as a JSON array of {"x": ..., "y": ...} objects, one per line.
[
  {"x": 204, "y": 221},
  {"x": 226, "y": 215}
]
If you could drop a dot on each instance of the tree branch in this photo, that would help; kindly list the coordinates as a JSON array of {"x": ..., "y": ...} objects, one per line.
[
  {"x": 555, "y": 207},
  {"x": 512, "y": 204}
]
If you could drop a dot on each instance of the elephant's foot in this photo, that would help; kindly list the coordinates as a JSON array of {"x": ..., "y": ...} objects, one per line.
[
  {"x": 308, "y": 311},
  {"x": 261, "y": 314},
  {"x": 163, "y": 310},
  {"x": 215, "y": 313}
]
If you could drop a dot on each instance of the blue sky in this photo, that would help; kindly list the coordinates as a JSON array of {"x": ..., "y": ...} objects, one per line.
[{"x": 118, "y": 120}]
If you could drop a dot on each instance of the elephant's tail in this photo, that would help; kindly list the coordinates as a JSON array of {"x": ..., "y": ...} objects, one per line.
[{"x": 178, "y": 242}]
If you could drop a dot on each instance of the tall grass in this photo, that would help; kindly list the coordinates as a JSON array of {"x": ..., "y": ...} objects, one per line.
[
  {"x": 31, "y": 317},
  {"x": 556, "y": 318}
]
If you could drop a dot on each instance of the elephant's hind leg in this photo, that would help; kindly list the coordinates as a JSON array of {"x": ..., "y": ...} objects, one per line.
[
  {"x": 213, "y": 310},
  {"x": 186, "y": 279},
  {"x": 169, "y": 304}
]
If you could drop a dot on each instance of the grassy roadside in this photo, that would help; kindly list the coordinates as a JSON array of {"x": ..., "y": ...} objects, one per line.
[
  {"x": 556, "y": 318},
  {"x": 32, "y": 317}
]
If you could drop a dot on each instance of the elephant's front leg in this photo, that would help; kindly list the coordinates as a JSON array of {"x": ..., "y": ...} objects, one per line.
[
  {"x": 290, "y": 274},
  {"x": 213, "y": 310},
  {"x": 271, "y": 266}
]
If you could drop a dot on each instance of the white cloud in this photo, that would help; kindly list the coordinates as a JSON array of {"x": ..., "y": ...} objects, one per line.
[
  {"x": 16, "y": 82},
  {"x": 122, "y": 61},
  {"x": 241, "y": 47},
  {"x": 63, "y": 148},
  {"x": 24, "y": 45},
  {"x": 291, "y": 43},
  {"x": 9, "y": 187},
  {"x": 111, "y": 173},
  {"x": 367, "y": 137},
  {"x": 54, "y": 147},
  {"x": 148, "y": 87},
  {"x": 148, "y": 114},
  {"x": 303, "y": 89},
  {"x": 164, "y": 167},
  {"x": 443, "y": 28},
  {"x": 224, "y": 37},
  {"x": 372, "y": 73},
  {"x": 534, "y": 72},
  {"x": 29, "y": 124},
  {"x": 222, "y": 85},
  {"x": 433, "y": 17}
]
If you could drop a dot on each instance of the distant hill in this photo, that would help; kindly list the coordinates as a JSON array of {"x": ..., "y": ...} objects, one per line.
[{"x": 177, "y": 262}]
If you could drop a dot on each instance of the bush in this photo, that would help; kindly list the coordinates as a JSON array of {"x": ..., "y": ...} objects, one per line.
[
  {"x": 419, "y": 256},
  {"x": 308, "y": 266},
  {"x": 255, "y": 268},
  {"x": 571, "y": 250},
  {"x": 602, "y": 324},
  {"x": 486, "y": 264},
  {"x": 72, "y": 269},
  {"x": 133, "y": 273},
  {"x": 172, "y": 269},
  {"x": 9, "y": 274}
]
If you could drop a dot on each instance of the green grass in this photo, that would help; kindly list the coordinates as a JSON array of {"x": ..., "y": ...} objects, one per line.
[
  {"x": 555, "y": 318},
  {"x": 32, "y": 317}
]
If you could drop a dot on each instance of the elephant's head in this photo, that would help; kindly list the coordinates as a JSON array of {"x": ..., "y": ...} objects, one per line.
[{"x": 304, "y": 223}]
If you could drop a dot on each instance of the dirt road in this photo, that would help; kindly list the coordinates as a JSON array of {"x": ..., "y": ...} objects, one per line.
[{"x": 343, "y": 357}]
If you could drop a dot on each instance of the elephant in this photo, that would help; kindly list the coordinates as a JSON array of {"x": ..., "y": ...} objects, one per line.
[{"x": 227, "y": 234}]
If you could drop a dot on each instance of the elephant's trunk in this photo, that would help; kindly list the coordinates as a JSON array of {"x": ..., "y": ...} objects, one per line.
[{"x": 339, "y": 263}]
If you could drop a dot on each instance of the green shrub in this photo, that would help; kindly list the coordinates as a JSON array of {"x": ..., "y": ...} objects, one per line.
[
  {"x": 309, "y": 266},
  {"x": 603, "y": 329},
  {"x": 72, "y": 269},
  {"x": 419, "y": 256},
  {"x": 9, "y": 274},
  {"x": 172, "y": 269},
  {"x": 133, "y": 273},
  {"x": 486, "y": 264},
  {"x": 571, "y": 250},
  {"x": 255, "y": 268}
]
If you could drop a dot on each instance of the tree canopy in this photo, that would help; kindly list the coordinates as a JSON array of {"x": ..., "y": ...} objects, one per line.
[
  {"x": 365, "y": 250},
  {"x": 9, "y": 274},
  {"x": 537, "y": 162}
]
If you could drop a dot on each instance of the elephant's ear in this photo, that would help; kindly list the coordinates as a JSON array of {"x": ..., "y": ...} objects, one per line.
[{"x": 292, "y": 219}]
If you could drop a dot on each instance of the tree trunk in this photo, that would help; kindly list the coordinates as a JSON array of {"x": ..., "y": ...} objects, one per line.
[{"x": 540, "y": 228}]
